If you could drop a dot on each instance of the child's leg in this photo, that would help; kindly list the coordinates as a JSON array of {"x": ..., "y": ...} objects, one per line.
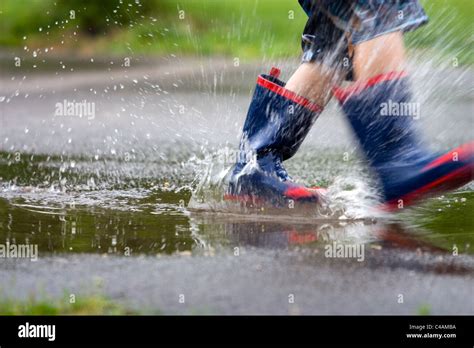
[
  {"x": 314, "y": 80},
  {"x": 383, "y": 54},
  {"x": 380, "y": 55}
]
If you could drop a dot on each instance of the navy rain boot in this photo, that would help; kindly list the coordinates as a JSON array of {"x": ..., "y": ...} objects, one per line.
[
  {"x": 383, "y": 118},
  {"x": 277, "y": 122}
]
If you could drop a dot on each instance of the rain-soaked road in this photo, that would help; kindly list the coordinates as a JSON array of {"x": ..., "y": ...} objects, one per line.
[{"x": 89, "y": 190}]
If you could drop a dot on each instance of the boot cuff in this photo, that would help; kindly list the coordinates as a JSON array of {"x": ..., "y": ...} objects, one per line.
[
  {"x": 273, "y": 84},
  {"x": 342, "y": 94}
]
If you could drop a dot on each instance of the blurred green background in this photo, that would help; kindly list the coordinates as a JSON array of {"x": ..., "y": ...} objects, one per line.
[{"x": 238, "y": 28}]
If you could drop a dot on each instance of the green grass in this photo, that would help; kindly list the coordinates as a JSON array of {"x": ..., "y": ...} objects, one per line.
[
  {"x": 91, "y": 305},
  {"x": 424, "y": 309},
  {"x": 247, "y": 29},
  {"x": 449, "y": 31},
  {"x": 244, "y": 28},
  {"x": 446, "y": 222}
]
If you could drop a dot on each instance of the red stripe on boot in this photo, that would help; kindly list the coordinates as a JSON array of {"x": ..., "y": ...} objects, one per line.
[
  {"x": 462, "y": 153},
  {"x": 261, "y": 81},
  {"x": 300, "y": 192},
  {"x": 343, "y": 93}
]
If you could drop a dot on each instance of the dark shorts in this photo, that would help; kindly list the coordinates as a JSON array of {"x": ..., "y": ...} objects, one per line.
[{"x": 333, "y": 24}]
